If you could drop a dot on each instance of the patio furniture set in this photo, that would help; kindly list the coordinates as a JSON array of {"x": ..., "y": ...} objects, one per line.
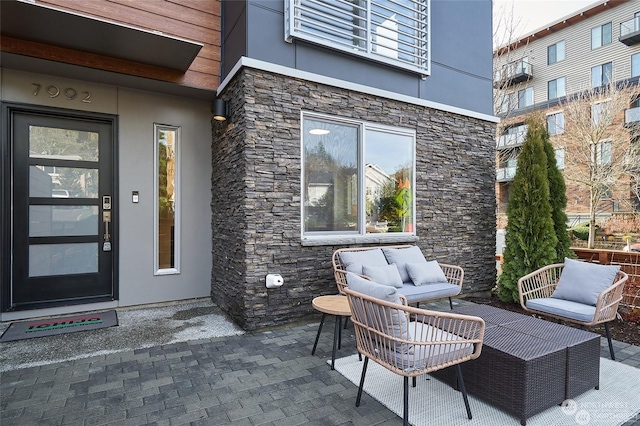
[{"x": 515, "y": 362}]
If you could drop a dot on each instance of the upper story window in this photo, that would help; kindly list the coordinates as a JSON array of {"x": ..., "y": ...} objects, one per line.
[
  {"x": 555, "y": 53},
  {"x": 601, "y": 75},
  {"x": 559, "y": 154},
  {"x": 602, "y": 152},
  {"x": 556, "y": 88},
  {"x": 601, "y": 36},
  {"x": 525, "y": 97},
  {"x": 599, "y": 113},
  {"x": 396, "y": 32},
  {"x": 358, "y": 178},
  {"x": 635, "y": 65},
  {"x": 555, "y": 123}
]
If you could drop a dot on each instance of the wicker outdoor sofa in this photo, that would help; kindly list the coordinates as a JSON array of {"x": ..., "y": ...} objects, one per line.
[{"x": 418, "y": 283}]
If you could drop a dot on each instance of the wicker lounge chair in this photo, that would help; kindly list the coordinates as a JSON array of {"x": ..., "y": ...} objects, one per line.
[
  {"x": 538, "y": 295},
  {"x": 430, "y": 341}
]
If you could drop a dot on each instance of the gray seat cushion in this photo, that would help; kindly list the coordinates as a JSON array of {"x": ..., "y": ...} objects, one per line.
[
  {"x": 430, "y": 355},
  {"x": 415, "y": 293},
  {"x": 563, "y": 308},
  {"x": 426, "y": 273}
]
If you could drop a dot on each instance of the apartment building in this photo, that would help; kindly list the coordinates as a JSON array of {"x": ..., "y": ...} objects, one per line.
[
  {"x": 156, "y": 151},
  {"x": 542, "y": 70}
]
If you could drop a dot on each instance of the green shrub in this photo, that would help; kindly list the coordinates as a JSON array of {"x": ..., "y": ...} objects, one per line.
[{"x": 581, "y": 231}]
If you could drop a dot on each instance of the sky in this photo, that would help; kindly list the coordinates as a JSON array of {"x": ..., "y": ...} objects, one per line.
[{"x": 534, "y": 14}]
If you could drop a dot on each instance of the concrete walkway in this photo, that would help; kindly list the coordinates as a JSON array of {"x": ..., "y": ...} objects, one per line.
[{"x": 267, "y": 377}]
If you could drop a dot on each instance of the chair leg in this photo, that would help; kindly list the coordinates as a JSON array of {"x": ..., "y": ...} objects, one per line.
[
  {"x": 364, "y": 371},
  {"x": 339, "y": 330},
  {"x": 450, "y": 303},
  {"x": 313, "y": 351},
  {"x": 346, "y": 321},
  {"x": 406, "y": 401},
  {"x": 414, "y": 382},
  {"x": 463, "y": 390},
  {"x": 606, "y": 328},
  {"x": 336, "y": 340}
]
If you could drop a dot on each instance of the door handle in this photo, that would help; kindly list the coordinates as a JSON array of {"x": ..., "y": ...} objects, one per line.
[{"x": 106, "y": 218}]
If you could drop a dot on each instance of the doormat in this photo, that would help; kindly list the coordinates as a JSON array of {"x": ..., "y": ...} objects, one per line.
[{"x": 52, "y": 326}]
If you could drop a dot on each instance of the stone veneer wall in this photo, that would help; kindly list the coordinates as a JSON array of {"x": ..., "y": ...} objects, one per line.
[{"x": 256, "y": 194}]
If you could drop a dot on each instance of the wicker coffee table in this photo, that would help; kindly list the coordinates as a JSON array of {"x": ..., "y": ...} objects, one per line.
[{"x": 527, "y": 364}]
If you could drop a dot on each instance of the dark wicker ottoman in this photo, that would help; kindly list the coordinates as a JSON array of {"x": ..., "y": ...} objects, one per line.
[
  {"x": 521, "y": 374},
  {"x": 527, "y": 364},
  {"x": 583, "y": 352}
]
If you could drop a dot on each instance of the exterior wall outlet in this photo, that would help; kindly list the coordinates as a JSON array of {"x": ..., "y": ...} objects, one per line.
[{"x": 274, "y": 280}]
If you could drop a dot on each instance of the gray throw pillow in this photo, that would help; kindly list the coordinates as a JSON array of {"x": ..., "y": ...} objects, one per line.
[
  {"x": 354, "y": 260},
  {"x": 400, "y": 257},
  {"x": 582, "y": 282},
  {"x": 385, "y": 275},
  {"x": 398, "y": 325},
  {"x": 426, "y": 273}
]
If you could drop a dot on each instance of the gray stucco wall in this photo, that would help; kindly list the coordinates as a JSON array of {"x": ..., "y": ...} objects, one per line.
[
  {"x": 461, "y": 52},
  {"x": 256, "y": 194}
]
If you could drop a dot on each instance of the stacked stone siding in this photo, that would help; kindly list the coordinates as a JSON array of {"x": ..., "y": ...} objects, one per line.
[{"x": 256, "y": 194}]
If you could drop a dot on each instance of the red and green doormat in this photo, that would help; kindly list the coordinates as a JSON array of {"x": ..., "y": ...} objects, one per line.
[{"x": 52, "y": 326}]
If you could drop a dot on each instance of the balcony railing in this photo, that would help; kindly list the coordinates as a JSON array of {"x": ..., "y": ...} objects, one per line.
[
  {"x": 632, "y": 115},
  {"x": 514, "y": 73},
  {"x": 505, "y": 174},
  {"x": 510, "y": 140},
  {"x": 630, "y": 31}
]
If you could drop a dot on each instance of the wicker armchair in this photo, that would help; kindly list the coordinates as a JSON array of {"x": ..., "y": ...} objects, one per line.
[
  {"x": 540, "y": 285},
  {"x": 410, "y": 341}
]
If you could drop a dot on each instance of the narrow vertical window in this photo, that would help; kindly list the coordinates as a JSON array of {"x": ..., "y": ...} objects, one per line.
[{"x": 167, "y": 199}]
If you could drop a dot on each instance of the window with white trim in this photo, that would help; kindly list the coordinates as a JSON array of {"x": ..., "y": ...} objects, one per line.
[
  {"x": 601, "y": 36},
  {"x": 556, "y": 88},
  {"x": 555, "y": 123},
  {"x": 559, "y": 154},
  {"x": 601, "y": 75},
  {"x": 635, "y": 65},
  {"x": 166, "y": 199},
  {"x": 358, "y": 178},
  {"x": 396, "y": 32},
  {"x": 525, "y": 97},
  {"x": 555, "y": 53},
  {"x": 602, "y": 152}
]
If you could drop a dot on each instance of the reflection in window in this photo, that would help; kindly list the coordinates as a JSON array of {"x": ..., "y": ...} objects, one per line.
[
  {"x": 166, "y": 191},
  {"x": 358, "y": 178}
]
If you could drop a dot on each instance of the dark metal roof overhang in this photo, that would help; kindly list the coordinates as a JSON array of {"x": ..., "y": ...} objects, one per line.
[{"x": 21, "y": 19}]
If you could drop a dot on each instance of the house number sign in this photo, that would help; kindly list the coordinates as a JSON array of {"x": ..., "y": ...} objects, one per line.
[{"x": 54, "y": 91}]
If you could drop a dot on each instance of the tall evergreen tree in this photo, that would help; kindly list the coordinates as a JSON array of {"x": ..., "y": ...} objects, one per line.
[
  {"x": 530, "y": 238},
  {"x": 557, "y": 198}
]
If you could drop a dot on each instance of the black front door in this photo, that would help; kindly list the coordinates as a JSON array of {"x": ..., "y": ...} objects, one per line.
[{"x": 63, "y": 209}]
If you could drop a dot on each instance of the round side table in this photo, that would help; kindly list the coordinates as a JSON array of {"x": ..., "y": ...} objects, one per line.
[{"x": 337, "y": 305}]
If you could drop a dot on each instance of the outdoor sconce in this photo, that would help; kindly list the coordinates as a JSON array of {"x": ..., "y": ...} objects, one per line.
[{"x": 220, "y": 110}]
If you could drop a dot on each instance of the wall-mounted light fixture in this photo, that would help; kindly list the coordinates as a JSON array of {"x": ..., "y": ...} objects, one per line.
[{"x": 220, "y": 110}]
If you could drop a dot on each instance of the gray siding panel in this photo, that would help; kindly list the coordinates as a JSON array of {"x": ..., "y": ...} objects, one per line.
[{"x": 461, "y": 53}]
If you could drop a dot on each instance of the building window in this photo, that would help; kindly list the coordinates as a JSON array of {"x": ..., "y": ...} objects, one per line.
[
  {"x": 601, "y": 36},
  {"x": 599, "y": 112},
  {"x": 555, "y": 53},
  {"x": 393, "y": 32},
  {"x": 358, "y": 178},
  {"x": 555, "y": 123},
  {"x": 635, "y": 65},
  {"x": 167, "y": 199},
  {"x": 525, "y": 97},
  {"x": 560, "y": 158},
  {"x": 602, "y": 152},
  {"x": 556, "y": 88},
  {"x": 601, "y": 75}
]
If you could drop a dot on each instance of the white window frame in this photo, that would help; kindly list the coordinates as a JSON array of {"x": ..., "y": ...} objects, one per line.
[
  {"x": 524, "y": 96},
  {"x": 597, "y": 34},
  {"x": 554, "y": 115},
  {"x": 635, "y": 71},
  {"x": 603, "y": 76},
  {"x": 559, "y": 47},
  {"x": 310, "y": 11},
  {"x": 559, "y": 93},
  {"x": 559, "y": 155},
  {"x": 156, "y": 205},
  {"x": 360, "y": 234}
]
